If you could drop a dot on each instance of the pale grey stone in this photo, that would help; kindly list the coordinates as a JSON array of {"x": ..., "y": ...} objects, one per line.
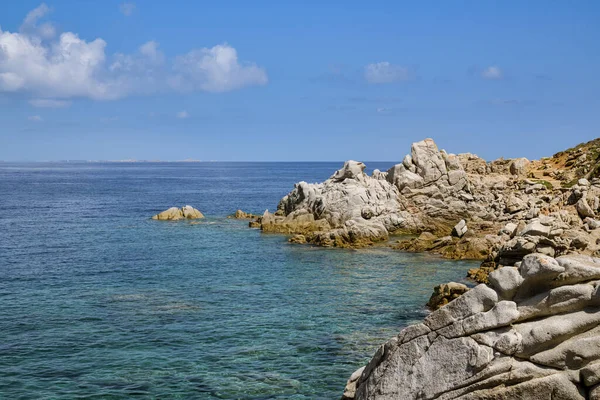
[
  {"x": 540, "y": 267},
  {"x": 503, "y": 313},
  {"x": 591, "y": 374},
  {"x": 533, "y": 212},
  {"x": 412, "y": 332},
  {"x": 460, "y": 229},
  {"x": 519, "y": 166},
  {"x": 583, "y": 182},
  {"x": 592, "y": 223},
  {"x": 350, "y": 390},
  {"x": 428, "y": 160},
  {"x": 534, "y": 188},
  {"x": 482, "y": 346},
  {"x": 377, "y": 174},
  {"x": 351, "y": 170},
  {"x": 555, "y": 301},
  {"x": 584, "y": 209},
  {"x": 408, "y": 162},
  {"x": 510, "y": 229},
  {"x": 506, "y": 281},
  {"x": 515, "y": 204},
  {"x": 536, "y": 228}
]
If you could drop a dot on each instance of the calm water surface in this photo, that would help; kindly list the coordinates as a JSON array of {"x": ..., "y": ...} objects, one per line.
[{"x": 100, "y": 302}]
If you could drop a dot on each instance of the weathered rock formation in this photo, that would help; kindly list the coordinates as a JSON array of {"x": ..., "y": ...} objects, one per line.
[
  {"x": 350, "y": 208},
  {"x": 463, "y": 206},
  {"x": 532, "y": 333},
  {"x": 428, "y": 191},
  {"x": 174, "y": 214}
]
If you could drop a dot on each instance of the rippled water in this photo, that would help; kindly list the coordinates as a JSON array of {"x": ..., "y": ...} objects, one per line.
[{"x": 98, "y": 301}]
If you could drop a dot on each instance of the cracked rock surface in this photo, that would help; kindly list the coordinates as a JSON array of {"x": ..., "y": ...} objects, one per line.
[{"x": 532, "y": 333}]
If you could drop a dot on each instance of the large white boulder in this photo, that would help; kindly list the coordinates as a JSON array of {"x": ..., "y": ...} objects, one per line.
[{"x": 484, "y": 345}]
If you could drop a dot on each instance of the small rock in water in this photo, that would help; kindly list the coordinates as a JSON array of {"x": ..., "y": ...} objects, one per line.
[
  {"x": 239, "y": 214},
  {"x": 298, "y": 239},
  {"x": 174, "y": 214},
  {"x": 445, "y": 293}
]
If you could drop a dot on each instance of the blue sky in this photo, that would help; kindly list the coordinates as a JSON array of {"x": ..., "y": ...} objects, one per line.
[{"x": 312, "y": 80}]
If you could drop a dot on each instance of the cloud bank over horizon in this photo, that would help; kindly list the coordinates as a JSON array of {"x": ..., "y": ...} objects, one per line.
[{"x": 53, "y": 68}]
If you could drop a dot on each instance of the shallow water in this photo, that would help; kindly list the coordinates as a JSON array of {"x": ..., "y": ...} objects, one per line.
[{"x": 98, "y": 301}]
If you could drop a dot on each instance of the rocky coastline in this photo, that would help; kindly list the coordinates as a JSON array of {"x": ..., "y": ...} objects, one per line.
[
  {"x": 533, "y": 333},
  {"x": 530, "y": 330},
  {"x": 458, "y": 206}
]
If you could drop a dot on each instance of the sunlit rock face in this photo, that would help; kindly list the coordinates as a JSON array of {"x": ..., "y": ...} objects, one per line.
[
  {"x": 497, "y": 211},
  {"x": 533, "y": 333},
  {"x": 175, "y": 214},
  {"x": 352, "y": 208}
]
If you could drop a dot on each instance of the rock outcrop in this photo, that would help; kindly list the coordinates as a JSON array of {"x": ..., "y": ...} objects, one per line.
[
  {"x": 239, "y": 214},
  {"x": 350, "y": 208},
  {"x": 532, "y": 333},
  {"x": 174, "y": 214},
  {"x": 428, "y": 191},
  {"x": 460, "y": 205}
]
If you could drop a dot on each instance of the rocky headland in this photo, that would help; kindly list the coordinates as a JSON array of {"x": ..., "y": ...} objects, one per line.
[
  {"x": 531, "y": 329},
  {"x": 459, "y": 206}
]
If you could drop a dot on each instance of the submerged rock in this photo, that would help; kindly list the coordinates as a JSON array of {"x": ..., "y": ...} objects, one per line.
[
  {"x": 533, "y": 334},
  {"x": 174, "y": 214}
]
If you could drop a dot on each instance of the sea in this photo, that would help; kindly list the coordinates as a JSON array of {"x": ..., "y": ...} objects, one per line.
[{"x": 98, "y": 301}]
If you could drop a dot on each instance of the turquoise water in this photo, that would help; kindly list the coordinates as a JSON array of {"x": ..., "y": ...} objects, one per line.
[{"x": 98, "y": 301}]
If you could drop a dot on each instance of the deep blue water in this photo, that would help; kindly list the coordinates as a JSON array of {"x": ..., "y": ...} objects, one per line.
[{"x": 99, "y": 301}]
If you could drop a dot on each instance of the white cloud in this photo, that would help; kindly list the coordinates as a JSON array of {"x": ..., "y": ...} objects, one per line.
[
  {"x": 384, "y": 72},
  {"x": 127, "y": 8},
  {"x": 150, "y": 50},
  {"x": 49, "y": 103},
  {"x": 29, "y": 26},
  {"x": 34, "y": 15},
  {"x": 215, "y": 70},
  {"x": 183, "y": 114},
  {"x": 492, "y": 72},
  {"x": 35, "y": 118},
  {"x": 69, "y": 67}
]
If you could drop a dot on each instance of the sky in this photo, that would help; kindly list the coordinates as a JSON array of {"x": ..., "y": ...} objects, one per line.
[{"x": 295, "y": 80}]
